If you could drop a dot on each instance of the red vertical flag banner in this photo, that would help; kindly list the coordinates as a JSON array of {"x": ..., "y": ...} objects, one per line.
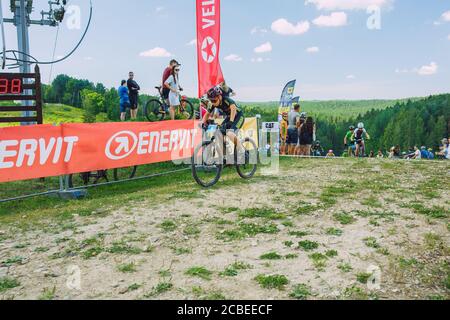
[{"x": 208, "y": 45}]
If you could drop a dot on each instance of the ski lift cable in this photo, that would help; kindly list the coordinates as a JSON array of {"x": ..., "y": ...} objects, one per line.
[
  {"x": 53, "y": 56},
  {"x": 54, "y": 61}
]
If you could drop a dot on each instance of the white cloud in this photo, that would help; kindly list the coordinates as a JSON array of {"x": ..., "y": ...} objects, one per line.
[
  {"x": 265, "y": 47},
  {"x": 351, "y": 77},
  {"x": 259, "y": 60},
  {"x": 428, "y": 70},
  {"x": 446, "y": 16},
  {"x": 398, "y": 70},
  {"x": 284, "y": 27},
  {"x": 156, "y": 53},
  {"x": 159, "y": 9},
  {"x": 312, "y": 49},
  {"x": 233, "y": 57},
  {"x": 259, "y": 30},
  {"x": 88, "y": 58},
  {"x": 335, "y": 19},
  {"x": 193, "y": 42},
  {"x": 348, "y": 4},
  {"x": 448, "y": 37}
]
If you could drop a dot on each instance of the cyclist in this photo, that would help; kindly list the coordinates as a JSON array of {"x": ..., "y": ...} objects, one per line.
[
  {"x": 234, "y": 117},
  {"x": 348, "y": 142},
  {"x": 358, "y": 136},
  {"x": 284, "y": 132}
]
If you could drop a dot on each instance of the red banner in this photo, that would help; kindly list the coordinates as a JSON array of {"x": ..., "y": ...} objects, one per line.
[
  {"x": 208, "y": 45},
  {"x": 45, "y": 150}
]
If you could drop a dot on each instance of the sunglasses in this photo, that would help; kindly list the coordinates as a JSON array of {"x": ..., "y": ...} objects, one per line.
[{"x": 177, "y": 70}]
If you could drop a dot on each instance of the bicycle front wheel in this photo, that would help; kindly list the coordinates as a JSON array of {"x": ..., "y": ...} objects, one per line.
[
  {"x": 154, "y": 110},
  {"x": 207, "y": 164},
  {"x": 124, "y": 173},
  {"x": 247, "y": 164}
]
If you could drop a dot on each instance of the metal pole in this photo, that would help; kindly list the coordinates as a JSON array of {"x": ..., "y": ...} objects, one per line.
[
  {"x": 23, "y": 44},
  {"x": 3, "y": 36}
]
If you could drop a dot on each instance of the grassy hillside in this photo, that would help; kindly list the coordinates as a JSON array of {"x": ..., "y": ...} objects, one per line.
[
  {"x": 54, "y": 113},
  {"x": 342, "y": 109}
]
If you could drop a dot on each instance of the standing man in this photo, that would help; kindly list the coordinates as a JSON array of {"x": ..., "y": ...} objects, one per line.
[
  {"x": 166, "y": 74},
  {"x": 133, "y": 89},
  {"x": 294, "y": 124}
]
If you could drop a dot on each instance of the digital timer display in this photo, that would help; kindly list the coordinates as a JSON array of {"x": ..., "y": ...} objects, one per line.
[{"x": 10, "y": 84}]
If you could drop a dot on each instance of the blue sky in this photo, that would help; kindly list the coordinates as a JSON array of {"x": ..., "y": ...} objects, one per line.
[{"x": 324, "y": 44}]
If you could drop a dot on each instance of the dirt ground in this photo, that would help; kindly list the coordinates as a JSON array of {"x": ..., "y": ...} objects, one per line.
[{"x": 317, "y": 229}]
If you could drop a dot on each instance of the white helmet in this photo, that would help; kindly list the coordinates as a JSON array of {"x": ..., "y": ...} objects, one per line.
[{"x": 360, "y": 125}]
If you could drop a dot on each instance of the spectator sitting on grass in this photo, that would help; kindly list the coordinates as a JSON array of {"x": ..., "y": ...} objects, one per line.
[
  {"x": 444, "y": 150},
  {"x": 380, "y": 154},
  {"x": 430, "y": 154},
  {"x": 330, "y": 154}
]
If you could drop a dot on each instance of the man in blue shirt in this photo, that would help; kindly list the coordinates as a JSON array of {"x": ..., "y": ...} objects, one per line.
[
  {"x": 424, "y": 153},
  {"x": 124, "y": 100}
]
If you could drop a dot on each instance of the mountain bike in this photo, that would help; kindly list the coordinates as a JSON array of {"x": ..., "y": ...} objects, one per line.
[
  {"x": 212, "y": 155},
  {"x": 94, "y": 177},
  {"x": 160, "y": 109}
]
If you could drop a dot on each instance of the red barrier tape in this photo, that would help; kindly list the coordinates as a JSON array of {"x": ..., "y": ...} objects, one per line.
[{"x": 45, "y": 150}]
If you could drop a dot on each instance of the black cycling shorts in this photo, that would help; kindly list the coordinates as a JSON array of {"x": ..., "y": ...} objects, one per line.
[
  {"x": 235, "y": 125},
  {"x": 165, "y": 93}
]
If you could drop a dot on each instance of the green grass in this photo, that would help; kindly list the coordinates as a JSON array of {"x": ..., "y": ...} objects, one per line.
[
  {"x": 233, "y": 270},
  {"x": 371, "y": 242},
  {"x": 14, "y": 260},
  {"x": 7, "y": 283},
  {"x": 345, "y": 267},
  {"x": 160, "y": 288},
  {"x": 127, "y": 267},
  {"x": 168, "y": 225},
  {"x": 298, "y": 234},
  {"x": 363, "y": 277},
  {"x": 272, "y": 281},
  {"x": 344, "y": 218},
  {"x": 245, "y": 230},
  {"x": 319, "y": 260},
  {"x": 308, "y": 245},
  {"x": 48, "y": 294},
  {"x": 300, "y": 292},
  {"x": 266, "y": 213},
  {"x": 334, "y": 232},
  {"x": 271, "y": 256},
  {"x": 200, "y": 272}
]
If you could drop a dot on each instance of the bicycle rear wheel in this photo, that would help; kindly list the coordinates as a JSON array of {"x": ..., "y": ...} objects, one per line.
[
  {"x": 207, "y": 164},
  {"x": 124, "y": 173},
  {"x": 247, "y": 166},
  {"x": 154, "y": 110}
]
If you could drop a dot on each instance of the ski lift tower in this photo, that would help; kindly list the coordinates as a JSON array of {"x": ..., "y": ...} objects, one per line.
[{"x": 22, "y": 10}]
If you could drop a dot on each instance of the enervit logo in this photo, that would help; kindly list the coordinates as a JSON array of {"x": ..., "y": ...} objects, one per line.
[
  {"x": 209, "y": 50},
  {"x": 121, "y": 145}
]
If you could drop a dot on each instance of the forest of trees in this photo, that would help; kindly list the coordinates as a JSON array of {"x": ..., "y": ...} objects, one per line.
[
  {"x": 407, "y": 124},
  {"x": 418, "y": 122}
]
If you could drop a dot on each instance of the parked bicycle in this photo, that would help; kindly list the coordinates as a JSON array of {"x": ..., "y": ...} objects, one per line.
[
  {"x": 211, "y": 156},
  {"x": 94, "y": 177},
  {"x": 160, "y": 109}
]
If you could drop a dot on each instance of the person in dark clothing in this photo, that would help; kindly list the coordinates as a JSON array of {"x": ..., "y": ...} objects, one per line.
[
  {"x": 133, "y": 89},
  {"x": 306, "y": 136}
]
